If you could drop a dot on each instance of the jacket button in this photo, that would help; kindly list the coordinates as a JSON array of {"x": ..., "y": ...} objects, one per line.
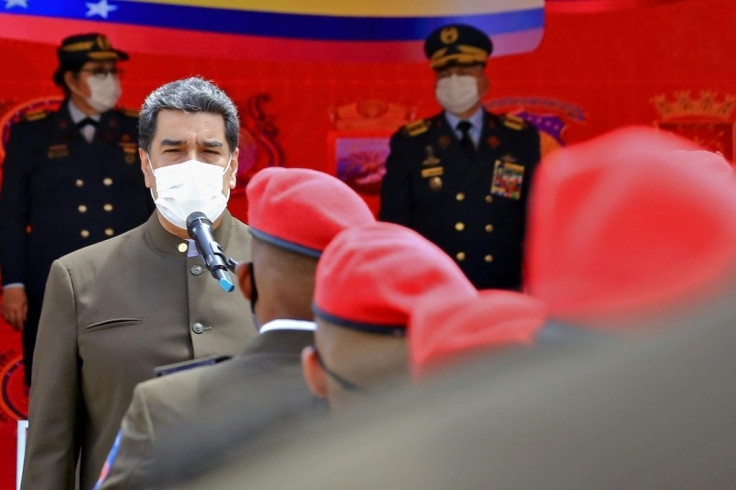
[
  {"x": 459, "y": 226},
  {"x": 196, "y": 270},
  {"x": 107, "y": 181},
  {"x": 183, "y": 247},
  {"x": 79, "y": 183},
  {"x": 460, "y": 256},
  {"x": 84, "y": 233},
  {"x": 107, "y": 207},
  {"x": 489, "y": 198},
  {"x": 460, "y": 196},
  {"x": 197, "y": 327},
  {"x": 109, "y": 231},
  {"x": 82, "y": 208},
  {"x": 489, "y": 228},
  {"x": 488, "y": 258}
]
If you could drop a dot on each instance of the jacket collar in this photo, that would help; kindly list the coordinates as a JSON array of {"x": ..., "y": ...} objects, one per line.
[
  {"x": 280, "y": 342},
  {"x": 170, "y": 244}
]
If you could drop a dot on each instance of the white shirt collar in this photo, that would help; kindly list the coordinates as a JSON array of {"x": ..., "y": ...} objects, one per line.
[
  {"x": 288, "y": 324},
  {"x": 476, "y": 119},
  {"x": 77, "y": 115}
]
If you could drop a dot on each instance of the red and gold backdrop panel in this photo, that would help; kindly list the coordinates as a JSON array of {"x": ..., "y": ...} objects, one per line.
[{"x": 668, "y": 63}]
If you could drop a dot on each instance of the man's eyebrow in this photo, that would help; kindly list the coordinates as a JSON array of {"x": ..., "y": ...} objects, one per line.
[
  {"x": 212, "y": 144},
  {"x": 168, "y": 142}
]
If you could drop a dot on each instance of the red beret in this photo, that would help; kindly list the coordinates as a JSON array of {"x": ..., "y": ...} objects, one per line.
[
  {"x": 369, "y": 278},
  {"x": 302, "y": 210},
  {"x": 443, "y": 328},
  {"x": 628, "y": 222},
  {"x": 706, "y": 160}
]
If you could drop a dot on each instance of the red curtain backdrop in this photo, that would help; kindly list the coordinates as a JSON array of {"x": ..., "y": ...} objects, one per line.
[{"x": 593, "y": 72}]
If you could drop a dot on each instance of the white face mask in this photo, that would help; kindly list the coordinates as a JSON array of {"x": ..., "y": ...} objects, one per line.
[
  {"x": 184, "y": 188},
  {"x": 457, "y": 93},
  {"x": 105, "y": 92}
]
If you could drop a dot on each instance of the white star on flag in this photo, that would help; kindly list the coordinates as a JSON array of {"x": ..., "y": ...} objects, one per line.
[
  {"x": 101, "y": 8},
  {"x": 16, "y": 3}
]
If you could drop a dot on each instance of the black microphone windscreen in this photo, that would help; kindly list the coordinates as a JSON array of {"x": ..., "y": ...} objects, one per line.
[{"x": 194, "y": 216}]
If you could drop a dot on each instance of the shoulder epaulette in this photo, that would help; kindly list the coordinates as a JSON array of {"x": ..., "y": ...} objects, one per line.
[
  {"x": 35, "y": 115},
  {"x": 513, "y": 122},
  {"x": 130, "y": 112},
  {"x": 416, "y": 127}
]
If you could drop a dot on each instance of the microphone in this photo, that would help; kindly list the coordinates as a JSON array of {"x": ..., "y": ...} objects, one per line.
[{"x": 199, "y": 228}]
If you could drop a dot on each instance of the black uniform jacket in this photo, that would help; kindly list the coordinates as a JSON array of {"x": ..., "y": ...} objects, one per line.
[
  {"x": 473, "y": 207},
  {"x": 61, "y": 193}
]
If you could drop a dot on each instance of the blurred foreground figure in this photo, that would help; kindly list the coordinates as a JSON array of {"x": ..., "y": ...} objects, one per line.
[
  {"x": 651, "y": 414},
  {"x": 446, "y": 329},
  {"x": 368, "y": 282},
  {"x": 293, "y": 215},
  {"x": 625, "y": 234},
  {"x": 631, "y": 223},
  {"x": 115, "y": 310}
]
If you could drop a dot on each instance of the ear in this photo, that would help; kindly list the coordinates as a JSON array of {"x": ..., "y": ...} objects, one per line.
[
  {"x": 313, "y": 374},
  {"x": 243, "y": 273},
  {"x": 233, "y": 177},
  {"x": 146, "y": 169},
  {"x": 71, "y": 81}
]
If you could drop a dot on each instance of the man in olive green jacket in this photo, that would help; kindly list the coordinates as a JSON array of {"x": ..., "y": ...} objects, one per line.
[{"x": 116, "y": 310}]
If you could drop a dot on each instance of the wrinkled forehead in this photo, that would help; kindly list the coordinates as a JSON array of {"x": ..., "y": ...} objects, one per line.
[{"x": 189, "y": 127}]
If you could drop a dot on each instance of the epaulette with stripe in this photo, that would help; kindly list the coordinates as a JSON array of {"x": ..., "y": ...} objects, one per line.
[
  {"x": 416, "y": 127},
  {"x": 513, "y": 122},
  {"x": 35, "y": 115}
]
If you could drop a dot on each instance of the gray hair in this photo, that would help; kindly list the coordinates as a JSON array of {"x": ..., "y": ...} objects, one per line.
[{"x": 189, "y": 95}]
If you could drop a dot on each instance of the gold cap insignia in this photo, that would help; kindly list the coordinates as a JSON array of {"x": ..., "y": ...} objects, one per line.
[
  {"x": 103, "y": 42},
  {"x": 449, "y": 35},
  {"x": 78, "y": 46}
]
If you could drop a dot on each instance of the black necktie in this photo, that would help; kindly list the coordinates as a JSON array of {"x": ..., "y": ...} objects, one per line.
[
  {"x": 466, "y": 142},
  {"x": 86, "y": 121}
]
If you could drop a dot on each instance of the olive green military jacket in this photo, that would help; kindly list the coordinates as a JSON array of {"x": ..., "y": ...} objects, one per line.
[{"x": 112, "y": 312}]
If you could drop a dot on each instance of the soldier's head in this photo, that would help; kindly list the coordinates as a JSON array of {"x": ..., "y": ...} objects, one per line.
[
  {"x": 188, "y": 135},
  {"x": 448, "y": 331},
  {"x": 369, "y": 279},
  {"x": 458, "y": 54},
  {"x": 293, "y": 214},
  {"x": 88, "y": 72},
  {"x": 632, "y": 225}
]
